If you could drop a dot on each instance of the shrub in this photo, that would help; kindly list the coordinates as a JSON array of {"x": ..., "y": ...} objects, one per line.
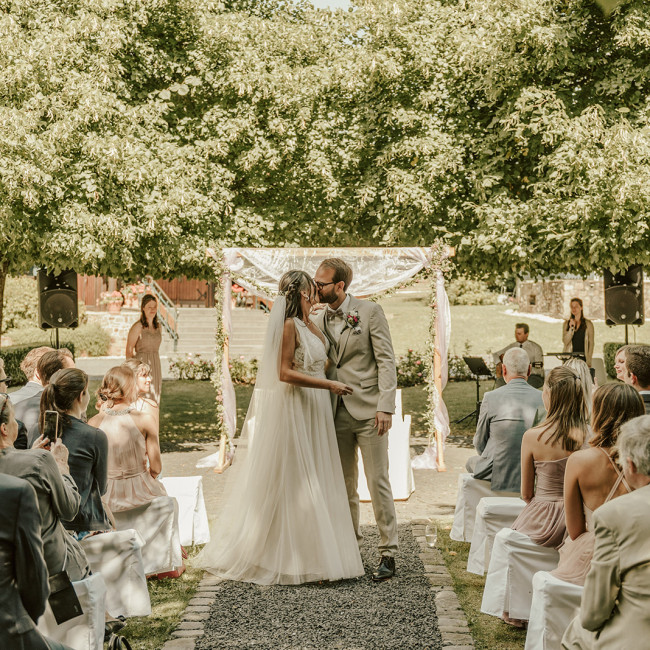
[
  {"x": 463, "y": 291},
  {"x": 243, "y": 372},
  {"x": 13, "y": 357},
  {"x": 192, "y": 367},
  {"x": 412, "y": 369},
  {"x": 609, "y": 353},
  {"x": 89, "y": 339},
  {"x": 20, "y": 303}
]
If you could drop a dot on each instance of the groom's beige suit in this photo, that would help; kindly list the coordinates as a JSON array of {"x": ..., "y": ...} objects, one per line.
[{"x": 364, "y": 360}]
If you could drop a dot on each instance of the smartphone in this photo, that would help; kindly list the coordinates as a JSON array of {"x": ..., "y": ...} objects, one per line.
[{"x": 51, "y": 425}]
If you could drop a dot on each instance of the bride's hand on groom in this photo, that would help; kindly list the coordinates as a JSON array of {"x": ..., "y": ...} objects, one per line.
[{"x": 339, "y": 388}]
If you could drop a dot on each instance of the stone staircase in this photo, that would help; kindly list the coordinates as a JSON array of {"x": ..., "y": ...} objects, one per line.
[{"x": 196, "y": 333}]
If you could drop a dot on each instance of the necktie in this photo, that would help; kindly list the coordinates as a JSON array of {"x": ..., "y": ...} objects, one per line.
[{"x": 334, "y": 313}]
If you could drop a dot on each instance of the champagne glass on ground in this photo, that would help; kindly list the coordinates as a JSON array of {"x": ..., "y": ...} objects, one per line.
[{"x": 431, "y": 533}]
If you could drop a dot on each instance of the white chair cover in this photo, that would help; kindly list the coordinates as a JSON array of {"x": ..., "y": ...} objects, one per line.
[
  {"x": 157, "y": 523},
  {"x": 193, "y": 523},
  {"x": 400, "y": 472},
  {"x": 470, "y": 492},
  {"x": 118, "y": 558},
  {"x": 492, "y": 514},
  {"x": 509, "y": 583},
  {"x": 85, "y": 632},
  {"x": 555, "y": 603}
]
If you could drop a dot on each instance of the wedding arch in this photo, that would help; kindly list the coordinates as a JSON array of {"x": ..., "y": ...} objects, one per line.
[{"x": 377, "y": 273}]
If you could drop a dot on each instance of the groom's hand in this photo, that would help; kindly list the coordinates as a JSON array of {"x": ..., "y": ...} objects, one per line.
[{"x": 383, "y": 422}]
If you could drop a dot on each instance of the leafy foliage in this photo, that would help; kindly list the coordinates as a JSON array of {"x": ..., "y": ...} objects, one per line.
[
  {"x": 465, "y": 291},
  {"x": 89, "y": 339},
  {"x": 20, "y": 303}
]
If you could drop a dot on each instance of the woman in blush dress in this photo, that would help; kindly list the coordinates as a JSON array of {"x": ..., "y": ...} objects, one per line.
[
  {"x": 619, "y": 363},
  {"x": 143, "y": 402},
  {"x": 134, "y": 460},
  {"x": 288, "y": 519},
  {"x": 545, "y": 450},
  {"x": 143, "y": 343},
  {"x": 593, "y": 477}
]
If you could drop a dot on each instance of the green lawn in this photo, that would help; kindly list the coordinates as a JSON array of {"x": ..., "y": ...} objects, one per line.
[
  {"x": 482, "y": 329},
  {"x": 489, "y": 633}
]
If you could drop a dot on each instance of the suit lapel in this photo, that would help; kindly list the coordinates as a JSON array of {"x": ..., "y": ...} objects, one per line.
[{"x": 345, "y": 334}]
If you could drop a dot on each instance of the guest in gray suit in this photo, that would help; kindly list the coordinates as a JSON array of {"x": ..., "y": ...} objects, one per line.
[
  {"x": 506, "y": 413},
  {"x": 637, "y": 371},
  {"x": 24, "y": 584},
  {"x": 34, "y": 385}
]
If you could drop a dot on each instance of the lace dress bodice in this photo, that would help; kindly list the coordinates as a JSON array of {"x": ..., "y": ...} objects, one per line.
[{"x": 310, "y": 355}]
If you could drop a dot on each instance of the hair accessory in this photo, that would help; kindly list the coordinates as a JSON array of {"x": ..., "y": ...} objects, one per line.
[{"x": 103, "y": 397}]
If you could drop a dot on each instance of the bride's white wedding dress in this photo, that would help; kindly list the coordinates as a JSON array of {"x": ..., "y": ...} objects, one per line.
[{"x": 288, "y": 521}]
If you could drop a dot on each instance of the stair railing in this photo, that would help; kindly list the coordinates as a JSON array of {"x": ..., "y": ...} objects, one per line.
[{"x": 167, "y": 312}]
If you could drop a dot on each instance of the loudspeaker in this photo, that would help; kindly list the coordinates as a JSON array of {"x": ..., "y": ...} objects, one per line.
[
  {"x": 57, "y": 300},
  {"x": 624, "y": 297}
]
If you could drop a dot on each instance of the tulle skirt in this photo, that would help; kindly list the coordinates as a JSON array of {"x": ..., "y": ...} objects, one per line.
[{"x": 288, "y": 520}]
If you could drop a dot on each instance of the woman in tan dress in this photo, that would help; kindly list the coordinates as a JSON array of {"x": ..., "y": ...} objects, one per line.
[
  {"x": 545, "y": 450},
  {"x": 134, "y": 460},
  {"x": 593, "y": 477},
  {"x": 143, "y": 343}
]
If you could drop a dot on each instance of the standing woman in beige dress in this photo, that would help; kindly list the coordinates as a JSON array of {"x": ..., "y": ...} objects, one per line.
[{"x": 143, "y": 343}]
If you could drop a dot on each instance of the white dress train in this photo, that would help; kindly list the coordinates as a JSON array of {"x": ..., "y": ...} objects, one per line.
[{"x": 289, "y": 520}]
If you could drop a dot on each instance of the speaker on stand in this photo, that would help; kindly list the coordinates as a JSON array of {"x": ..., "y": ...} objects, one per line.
[
  {"x": 624, "y": 297},
  {"x": 57, "y": 301}
]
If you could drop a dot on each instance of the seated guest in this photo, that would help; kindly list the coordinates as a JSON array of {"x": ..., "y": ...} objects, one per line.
[
  {"x": 615, "y": 609},
  {"x": 29, "y": 410},
  {"x": 637, "y": 371},
  {"x": 619, "y": 363},
  {"x": 581, "y": 369},
  {"x": 505, "y": 414},
  {"x": 67, "y": 393},
  {"x": 21, "y": 437},
  {"x": 534, "y": 351},
  {"x": 34, "y": 386},
  {"x": 134, "y": 459},
  {"x": 24, "y": 586},
  {"x": 58, "y": 498},
  {"x": 593, "y": 477},
  {"x": 545, "y": 450},
  {"x": 142, "y": 373}
]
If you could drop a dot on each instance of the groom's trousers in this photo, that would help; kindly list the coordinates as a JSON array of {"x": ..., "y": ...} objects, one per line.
[{"x": 353, "y": 435}]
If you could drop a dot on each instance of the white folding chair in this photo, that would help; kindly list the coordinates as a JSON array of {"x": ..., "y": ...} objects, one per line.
[{"x": 193, "y": 523}]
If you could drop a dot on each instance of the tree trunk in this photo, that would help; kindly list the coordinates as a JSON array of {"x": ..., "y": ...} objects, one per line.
[{"x": 3, "y": 279}]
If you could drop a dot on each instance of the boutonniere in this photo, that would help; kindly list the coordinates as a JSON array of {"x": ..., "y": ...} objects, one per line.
[{"x": 353, "y": 321}]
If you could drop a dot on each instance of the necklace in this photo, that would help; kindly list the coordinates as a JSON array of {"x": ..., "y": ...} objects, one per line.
[{"x": 123, "y": 411}]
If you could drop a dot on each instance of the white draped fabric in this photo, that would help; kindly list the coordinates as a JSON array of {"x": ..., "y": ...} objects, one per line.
[{"x": 375, "y": 271}]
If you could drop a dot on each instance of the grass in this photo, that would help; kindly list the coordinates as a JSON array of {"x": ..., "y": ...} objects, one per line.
[
  {"x": 483, "y": 329},
  {"x": 489, "y": 633},
  {"x": 169, "y": 598}
]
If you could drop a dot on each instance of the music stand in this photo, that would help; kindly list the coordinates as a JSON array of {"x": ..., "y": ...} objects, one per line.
[{"x": 478, "y": 368}]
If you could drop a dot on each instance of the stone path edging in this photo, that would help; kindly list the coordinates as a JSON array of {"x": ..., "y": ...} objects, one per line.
[{"x": 451, "y": 618}]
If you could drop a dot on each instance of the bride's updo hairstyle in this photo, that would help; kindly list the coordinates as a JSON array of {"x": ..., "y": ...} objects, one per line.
[
  {"x": 292, "y": 284},
  {"x": 118, "y": 384}
]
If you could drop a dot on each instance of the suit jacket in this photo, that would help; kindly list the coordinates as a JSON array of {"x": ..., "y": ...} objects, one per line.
[
  {"x": 616, "y": 598},
  {"x": 30, "y": 389},
  {"x": 29, "y": 410},
  {"x": 58, "y": 499},
  {"x": 646, "y": 402},
  {"x": 506, "y": 413},
  {"x": 24, "y": 584},
  {"x": 364, "y": 361}
]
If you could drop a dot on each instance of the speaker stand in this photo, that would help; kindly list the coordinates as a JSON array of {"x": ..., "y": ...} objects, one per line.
[
  {"x": 626, "y": 334},
  {"x": 56, "y": 329}
]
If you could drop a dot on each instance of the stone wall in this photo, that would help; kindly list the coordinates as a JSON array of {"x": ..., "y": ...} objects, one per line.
[
  {"x": 553, "y": 297},
  {"x": 117, "y": 325}
]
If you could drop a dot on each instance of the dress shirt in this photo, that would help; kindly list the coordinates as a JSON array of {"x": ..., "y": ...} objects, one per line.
[
  {"x": 336, "y": 325},
  {"x": 534, "y": 351}
]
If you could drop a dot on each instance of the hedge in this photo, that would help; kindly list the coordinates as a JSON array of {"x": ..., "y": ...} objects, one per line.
[
  {"x": 13, "y": 357},
  {"x": 89, "y": 339}
]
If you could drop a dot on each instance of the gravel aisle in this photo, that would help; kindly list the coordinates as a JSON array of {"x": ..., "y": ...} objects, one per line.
[{"x": 351, "y": 615}]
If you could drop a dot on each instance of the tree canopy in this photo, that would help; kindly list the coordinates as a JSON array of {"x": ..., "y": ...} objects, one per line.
[{"x": 135, "y": 133}]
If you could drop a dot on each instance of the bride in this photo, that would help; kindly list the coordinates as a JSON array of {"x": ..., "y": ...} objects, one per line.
[{"x": 288, "y": 520}]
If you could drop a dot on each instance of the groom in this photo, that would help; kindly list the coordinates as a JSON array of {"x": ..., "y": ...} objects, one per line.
[{"x": 361, "y": 355}]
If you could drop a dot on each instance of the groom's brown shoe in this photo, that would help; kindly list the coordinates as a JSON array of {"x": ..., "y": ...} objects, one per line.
[{"x": 385, "y": 570}]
